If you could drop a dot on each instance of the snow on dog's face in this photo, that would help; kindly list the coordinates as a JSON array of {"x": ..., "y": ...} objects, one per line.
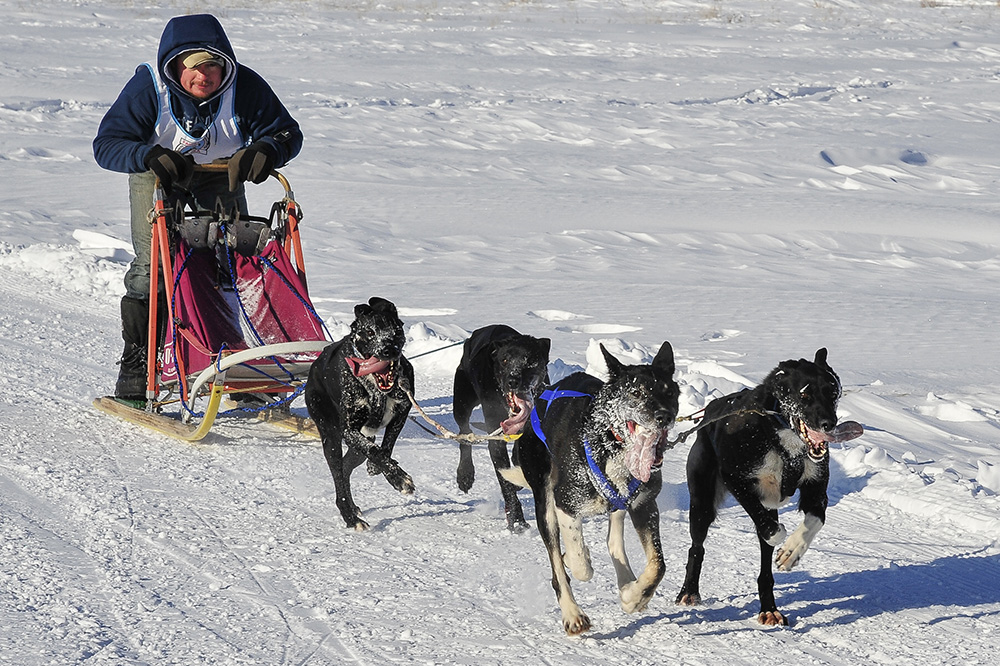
[
  {"x": 521, "y": 368},
  {"x": 378, "y": 339},
  {"x": 807, "y": 394},
  {"x": 640, "y": 403}
]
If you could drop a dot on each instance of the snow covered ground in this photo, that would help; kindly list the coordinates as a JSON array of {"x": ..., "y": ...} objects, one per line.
[{"x": 749, "y": 180}]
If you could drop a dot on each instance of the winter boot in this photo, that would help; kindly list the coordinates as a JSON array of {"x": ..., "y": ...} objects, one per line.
[{"x": 131, "y": 384}]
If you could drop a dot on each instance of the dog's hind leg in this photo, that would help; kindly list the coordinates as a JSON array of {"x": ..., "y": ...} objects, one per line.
[
  {"x": 577, "y": 554},
  {"x": 616, "y": 548}
]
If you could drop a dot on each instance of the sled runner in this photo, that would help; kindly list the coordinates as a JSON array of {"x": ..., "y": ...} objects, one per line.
[{"x": 239, "y": 321}]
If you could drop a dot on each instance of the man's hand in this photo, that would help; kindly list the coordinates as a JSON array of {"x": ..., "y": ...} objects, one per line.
[
  {"x": 253, "y": 163},
  {"x": 169, "y": 166}
]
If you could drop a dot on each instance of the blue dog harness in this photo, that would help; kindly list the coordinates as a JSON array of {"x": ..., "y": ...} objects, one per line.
[{"x": 598, "y": 478}]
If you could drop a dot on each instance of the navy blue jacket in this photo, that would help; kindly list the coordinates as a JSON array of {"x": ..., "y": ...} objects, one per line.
[{"x": 125, "y": 136}]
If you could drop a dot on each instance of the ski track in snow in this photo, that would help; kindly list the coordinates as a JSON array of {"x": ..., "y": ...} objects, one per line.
[{"x": 748, "y": 181}]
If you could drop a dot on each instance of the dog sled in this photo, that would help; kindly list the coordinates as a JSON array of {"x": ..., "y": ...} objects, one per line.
[{"x": 239, "y": 321}]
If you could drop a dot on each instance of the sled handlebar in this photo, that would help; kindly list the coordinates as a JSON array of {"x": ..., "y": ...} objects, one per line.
[{"x": 219, "y": 167}]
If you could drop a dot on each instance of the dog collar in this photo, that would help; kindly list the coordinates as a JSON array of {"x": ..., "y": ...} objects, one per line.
[{"x": 597, "y": 477}]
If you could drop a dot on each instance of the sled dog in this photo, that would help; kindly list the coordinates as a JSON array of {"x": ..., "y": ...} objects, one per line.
[
  {"x": 594, "y": 448},
  {"x": 761, "y": 445},
  {"x": 504, "y": 371},
  {"x": 356, "y": 388}
]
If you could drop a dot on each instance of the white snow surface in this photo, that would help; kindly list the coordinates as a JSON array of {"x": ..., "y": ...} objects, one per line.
[{"x": 748, "y": 180}]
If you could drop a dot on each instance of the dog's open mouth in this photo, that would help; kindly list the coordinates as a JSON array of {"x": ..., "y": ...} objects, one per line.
[
  {"x": 383, "y": 371},
  {"x": 518, "y": 410},
  {"x": 817, "y": 441},
  {"x": 645, "y": 450}
]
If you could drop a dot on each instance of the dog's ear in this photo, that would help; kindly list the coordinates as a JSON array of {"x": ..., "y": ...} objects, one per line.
[
  {"x": 821, "y": 357},
  {"x": 664, "y": 359},
  {"x": 615, "y": 367},
  {"x": 382, "y": 305},
  {"x": 546, "y": 345},
  {"x": 361, "y": 309}
]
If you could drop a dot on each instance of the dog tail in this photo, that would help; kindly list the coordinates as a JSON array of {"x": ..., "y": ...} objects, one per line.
[{"x": 515, "y": 475}]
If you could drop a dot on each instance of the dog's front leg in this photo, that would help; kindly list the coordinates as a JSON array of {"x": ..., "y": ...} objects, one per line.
[
  {"x": 577, "y": 554},
  {"x": 813, "y": 502},
  {"x": 464, "y": 401},
  {"x": 616, "y": 548},
  {"x": 769, "y": 613},
  {"x": 573, "y": 619},
  {"x": 798, "y": 543},
  {"x": 769, "y": 534},
  {"x": 645, "y": 517},
  {"x": 765, "y": 520},
  {"x": 380, "y": 457},
  {"x": 340, "y": 468},
  {"x": 511, "y": 504}
]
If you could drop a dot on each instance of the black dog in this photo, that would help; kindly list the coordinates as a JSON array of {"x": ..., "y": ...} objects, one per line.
[
  {"x": 357, "y": 387},
  {"x": 597, "y": 448},
  {"x": 504, "y": 371},
  {"x": 762, "y": 445}
]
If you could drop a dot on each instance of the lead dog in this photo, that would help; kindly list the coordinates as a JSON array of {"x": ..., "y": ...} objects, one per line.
[
  {"x": 356, "y": 388},
  {"x": 597, "y": 448},
  {"x": 762, "y": 445},
  {"x": 504, "y": 371}
]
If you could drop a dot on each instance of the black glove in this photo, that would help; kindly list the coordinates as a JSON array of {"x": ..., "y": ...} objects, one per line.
[
  {"x": 253, "y": 163},
  {"x": 170, "y": 166}
]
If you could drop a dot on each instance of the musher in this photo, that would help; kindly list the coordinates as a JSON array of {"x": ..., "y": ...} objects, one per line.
[{"x": 195, "y": 105}]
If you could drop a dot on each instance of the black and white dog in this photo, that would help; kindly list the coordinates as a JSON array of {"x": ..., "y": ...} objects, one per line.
[
  {"x": 597, "y": 448},
  {"x": 356, "y": 388},
  {"x": 504, "y": 371},
  {"x": 761, "y": 445}
]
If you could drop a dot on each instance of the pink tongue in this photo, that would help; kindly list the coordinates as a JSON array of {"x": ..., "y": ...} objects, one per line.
[
  {"x": 365, "y": 366},
  {"x": 515, "y": 423},
  {"x": 641, "y": 455},
  {"x": 844, "y": 432}
]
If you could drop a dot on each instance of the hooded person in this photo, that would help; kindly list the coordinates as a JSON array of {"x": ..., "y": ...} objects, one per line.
[{"x": 196, "y": 104}]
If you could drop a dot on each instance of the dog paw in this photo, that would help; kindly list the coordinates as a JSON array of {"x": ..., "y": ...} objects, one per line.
[
  {"x": 398, "y": 478},
  {"x": 790, "y": 554},
  {"x": 403, "y": 483},
  {"x": 517, "y": 526},
  {"x": 576, "y": 623},
  {"x": 688, "y": 599},
  {"x": 357, "y": 523},
  {"x": 777, "y": 537},
  {"x": 632, "y": 598},
  {"x": 465, "y": 479},
  {"x": 772, "y": 619}
]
